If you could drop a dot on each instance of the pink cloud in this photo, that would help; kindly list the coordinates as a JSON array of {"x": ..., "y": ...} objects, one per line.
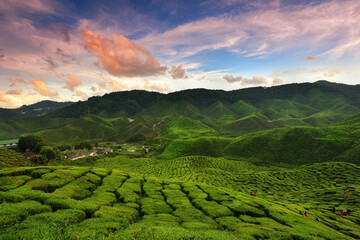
[
  {"x": 275, "y": 76},
  {"x": 72, "y": 82},
  {"x": 9, "y": 100},
  {"x": 14, "y": 91},
  {"x": 177, "y": 72},
  {"x": 261, "y": 31},
  {"x": 151, "y": 86},
  {"x": 29, "y": 6},
  {"x": 41, "y": 88},
  {"x": 231, "y": 79},
  {"x": 255, "y": 80},
  {"x": 310, "y": 58},
  {"x": 61, "y": 31},
  {"x": 122, "y": 57},
  {"x": 328, "y": 71},
  {"x": 17, "y": 80}
]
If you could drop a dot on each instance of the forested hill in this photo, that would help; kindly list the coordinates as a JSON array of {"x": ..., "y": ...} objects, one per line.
[
  {"x": 130, "y": 103},
  {"x": 141, "y": 115},
  {"x": 33, "y": 110}
]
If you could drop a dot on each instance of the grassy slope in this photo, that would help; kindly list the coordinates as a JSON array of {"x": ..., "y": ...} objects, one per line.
[
  {"x": 81, "y": 129},
  {"x": 179, "y": 127},
  {"x": 10, "y": 158},
  {"x": 96, "y": 203},
  {"x": 289, "y": 146},
  {"x": 312, "y": 108}
]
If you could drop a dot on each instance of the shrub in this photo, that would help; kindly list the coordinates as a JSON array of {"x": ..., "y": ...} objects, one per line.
[
  {"x": 78, "y": 189},
  {"x": 178, "y": 202},
  {"x": 191, "y": 214},
  {"x": 7, "y": 183},
  {"x": 230, "y": 223},
  {"x": 96, "y": 228},
  {"x": 154, "y": 206},
  {"x": 242, "y": 208},
  {"x": 102, "y": 198},
  {"x": 197, "y": 225},
  {"x": 212, "y": 208},
  {"x": 10, "y": 197},
  {"x": 48, "y": 152},
  {"x": 119, "y": 210},
  {"x": 39, "y": 159},
  {"x": 60, "y": 217},
  {"x": 11, "y": 213},
  {"x": 127, "y": 195}
]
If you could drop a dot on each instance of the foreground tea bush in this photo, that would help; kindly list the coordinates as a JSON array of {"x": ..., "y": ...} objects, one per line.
[{"x": 93, "y": 203}]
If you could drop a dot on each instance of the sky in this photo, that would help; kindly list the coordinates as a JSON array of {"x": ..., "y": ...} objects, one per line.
[{"x": 72, "y": 50}]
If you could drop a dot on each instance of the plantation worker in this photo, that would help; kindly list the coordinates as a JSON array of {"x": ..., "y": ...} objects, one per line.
[
  {"x": 305, "y": 213},
  {"x": 342, "y": 213},
  {"x": 251, "y": 194},
  {"x": 255, "y": 195}
]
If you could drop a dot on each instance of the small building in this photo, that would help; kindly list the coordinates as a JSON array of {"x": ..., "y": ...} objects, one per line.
[{"x": 9, "y": 144}]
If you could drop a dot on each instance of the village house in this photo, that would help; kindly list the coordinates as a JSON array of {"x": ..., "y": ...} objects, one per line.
[{"x": 9, "y": 144}]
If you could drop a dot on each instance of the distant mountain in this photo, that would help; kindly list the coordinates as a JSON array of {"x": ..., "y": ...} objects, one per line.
[
  {"x": 131, "y": 103},
  {"x": 141, "y": 115},
  {"x": 33, "y": 110}
]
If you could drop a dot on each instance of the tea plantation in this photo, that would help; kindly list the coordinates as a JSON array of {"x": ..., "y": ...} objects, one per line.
[{"x": 68, "y": 202}]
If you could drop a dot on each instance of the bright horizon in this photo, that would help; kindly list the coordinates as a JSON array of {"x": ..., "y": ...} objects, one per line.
[{"x": 73, "y": 50}]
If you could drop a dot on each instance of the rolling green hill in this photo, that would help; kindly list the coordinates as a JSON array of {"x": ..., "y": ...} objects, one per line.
[{"x": 141, "y": 116}]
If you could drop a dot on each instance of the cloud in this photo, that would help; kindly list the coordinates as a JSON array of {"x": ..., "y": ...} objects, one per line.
[
  {"x": 81, "y": 94},
  {"x": 255, "y": 80},
  {"x": 177, "y": 72},
  {"x": 328, "y": 71},
  {"x": 2, "y": 55},
  {"x": 151, "y": 86},
  {"x": 262, "y": 30},
  {"x": 51, "y": 63},
  {"x": 277, "y": 81},
  {"x": 60, "y": 30},
  {"x": 275, "y": 76},
  {"x": 72, "y": 82},
  {"x": 231, "y": 79},
  {"x": 17, "y": 80},
  {"x": 9, "y": 100},
  {"x": 41, "y": 88},
  {"x": 122, "y": 57},
  {"x": 310, "y": 58},
  {"x": 29, "y": 6},
  {"x": 14, "y": 91}
]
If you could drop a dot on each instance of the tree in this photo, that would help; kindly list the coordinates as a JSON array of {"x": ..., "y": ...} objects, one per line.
[
  {"x": 83, "y": 145},
  {"x": 64, "y": 147},
  {"x": 32, "y": 142},
  {"x": 39, "y": 159},
  {"x": 48, "y": 152}
]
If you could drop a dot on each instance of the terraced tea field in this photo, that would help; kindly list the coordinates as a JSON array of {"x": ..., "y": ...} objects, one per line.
[
  {"x": 95, "y": 203},
  {"x": 319, "y": 183}
]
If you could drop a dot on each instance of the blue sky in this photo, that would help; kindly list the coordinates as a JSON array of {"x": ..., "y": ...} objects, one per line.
[{"x": 72, "y": 50}]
